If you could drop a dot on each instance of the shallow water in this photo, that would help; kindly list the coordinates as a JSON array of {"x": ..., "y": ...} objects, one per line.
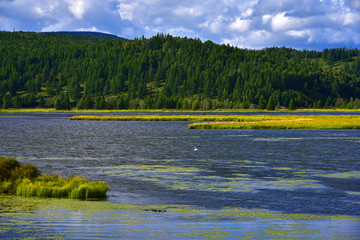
[{"x": 153, "y": 163}]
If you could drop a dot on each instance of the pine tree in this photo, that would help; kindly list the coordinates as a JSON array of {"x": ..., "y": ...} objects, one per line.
[
  {"x": 262, "y": 102},
  {"x": 271, "y": 104},
  {"x": 291, "y": 105}
]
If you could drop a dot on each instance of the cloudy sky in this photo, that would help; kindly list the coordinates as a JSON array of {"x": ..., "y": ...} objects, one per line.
[{"x": 301, "y": 24}]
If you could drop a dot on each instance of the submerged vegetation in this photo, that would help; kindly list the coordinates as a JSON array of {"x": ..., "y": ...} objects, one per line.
[
  {"x": 125, "y": 221},
  {"x": 247, "y": 121},
  {"x": 26, "y": 180}
]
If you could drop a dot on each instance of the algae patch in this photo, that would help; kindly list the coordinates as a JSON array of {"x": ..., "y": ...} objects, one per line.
[
  {"x": 186, "y": 178},
  {"x": 41, "y": 218},
  {"x": 351, "y": 174}
]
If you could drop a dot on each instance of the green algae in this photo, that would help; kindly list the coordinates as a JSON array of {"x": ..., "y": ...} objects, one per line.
[
  {"x": 351, "y": 174},
  {"x": 30, "y": 217},
  {"x": 186, "y": 178},
  {"x": 181, "y": 221},
  {"x": 273, "y": 215},
  {"x": 353, "y": 193},
  {"x": 294, "y": 184},
  {"x": 205, "y": 234}
]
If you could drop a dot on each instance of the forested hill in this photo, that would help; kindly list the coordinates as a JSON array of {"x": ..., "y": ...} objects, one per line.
[
  {"x": 88, "y": 34},
  {"x": 47, "y": 70}
]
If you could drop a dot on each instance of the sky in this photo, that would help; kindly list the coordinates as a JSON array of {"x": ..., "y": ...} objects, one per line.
[{"x": 253, "y": 24}]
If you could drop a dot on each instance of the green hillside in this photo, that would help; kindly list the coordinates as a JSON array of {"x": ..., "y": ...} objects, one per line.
[{"x": 67, "y": 71}]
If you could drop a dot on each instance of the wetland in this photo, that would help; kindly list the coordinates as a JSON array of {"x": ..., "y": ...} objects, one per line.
[{"x": 240, "y": 183}]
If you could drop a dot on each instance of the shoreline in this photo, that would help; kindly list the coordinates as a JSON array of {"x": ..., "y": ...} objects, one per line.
[{"x": 53, "y": 110}]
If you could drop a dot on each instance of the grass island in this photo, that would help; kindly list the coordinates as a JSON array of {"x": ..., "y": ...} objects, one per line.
[
  {"x": 27, "y": 181},
  {"x": 311, "y": 122}
]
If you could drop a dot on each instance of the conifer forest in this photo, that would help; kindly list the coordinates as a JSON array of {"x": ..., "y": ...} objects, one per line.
[{"x": 62, "y": 71}]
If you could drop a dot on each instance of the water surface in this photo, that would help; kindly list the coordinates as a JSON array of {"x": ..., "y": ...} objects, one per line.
[{"x": 154, "y": 163}]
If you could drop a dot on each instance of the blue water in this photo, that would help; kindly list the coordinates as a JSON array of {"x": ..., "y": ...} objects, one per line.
[{"x": 289, "y": 171}]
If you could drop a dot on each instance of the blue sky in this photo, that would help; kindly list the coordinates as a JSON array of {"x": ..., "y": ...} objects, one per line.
[{"x": 255, "y": 24}]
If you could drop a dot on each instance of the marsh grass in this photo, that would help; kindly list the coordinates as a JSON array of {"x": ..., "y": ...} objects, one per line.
[
  {"x": 56, "y": 187},
  {"x": 74, "y": 110},
  {"x": 26, "y": 180},
  {"x": 171, "y": 118},
  {"x": 314, "y": 122}
]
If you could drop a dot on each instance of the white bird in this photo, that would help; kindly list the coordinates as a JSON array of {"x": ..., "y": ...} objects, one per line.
[{"x": 195, "y": 149}]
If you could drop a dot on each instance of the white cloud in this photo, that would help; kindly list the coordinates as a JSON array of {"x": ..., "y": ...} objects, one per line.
[
  {"x": 77, "y": 7},
  {"x": 281, "y": 22},
  {"x": 352, "y": 18},
  {"x": 245, "y": 23},
  {"x": 216, "y": 26},
  {"x": 266, "y": 18},
  {"x": 126, "y": 10},
  {"x": 240, "y": 25},
  {"x": 58, "y": 26},
  {"x": 254, "y": 39},
  {"x": 297, "y": 34},
  {"x": 186, "y": 11}
]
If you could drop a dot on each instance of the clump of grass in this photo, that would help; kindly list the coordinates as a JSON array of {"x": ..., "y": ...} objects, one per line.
[{"x": 26, "y": 180}]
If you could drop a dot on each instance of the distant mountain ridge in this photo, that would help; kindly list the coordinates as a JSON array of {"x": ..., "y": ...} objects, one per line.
[{"x": 89, "y": 34}]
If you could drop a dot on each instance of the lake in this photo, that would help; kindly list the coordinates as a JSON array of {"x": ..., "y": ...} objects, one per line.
[{"x": 239, "y": 183}]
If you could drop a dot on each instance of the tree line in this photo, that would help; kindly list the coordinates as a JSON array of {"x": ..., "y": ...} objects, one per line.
[{"x": 165, "y": 72}]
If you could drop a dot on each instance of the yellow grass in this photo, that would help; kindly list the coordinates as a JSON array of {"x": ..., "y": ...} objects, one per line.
[
  {"x": 165, "y": 118},
  {"x": 247, "y": 121},
  {"x": 287, "y": 122},
  {"x": 75, "y": 110}
]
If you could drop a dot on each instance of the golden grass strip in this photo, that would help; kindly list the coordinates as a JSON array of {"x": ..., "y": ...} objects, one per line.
[
  {"x": 246, "y": 121},
  {"x": 177, "y": 118},
  {"x": 314, "y": 122},
  {"x": 74, "y": 110}
]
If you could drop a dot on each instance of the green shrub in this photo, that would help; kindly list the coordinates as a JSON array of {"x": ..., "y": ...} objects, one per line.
[
  {"x": 7, "y": 166},
  {"x": 5, "y": 186},
  {"x": 28, "y": 171}
]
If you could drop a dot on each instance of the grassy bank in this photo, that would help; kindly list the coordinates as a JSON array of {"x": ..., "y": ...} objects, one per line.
[
  {"x": 168, "y": 118},
  {"x": 314, "y": 122},
  {"x": 26, "y": 180},
  {"x": 52, "y": 110},
  {"x": 247, "y": 121}
]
